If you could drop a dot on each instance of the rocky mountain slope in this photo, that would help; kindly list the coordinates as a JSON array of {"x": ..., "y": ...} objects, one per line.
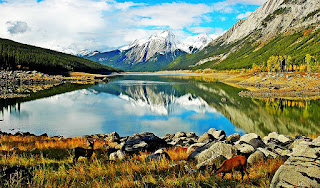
[
  {"x": 277, "y": 23},
  {"x": 150, "y": 54}
]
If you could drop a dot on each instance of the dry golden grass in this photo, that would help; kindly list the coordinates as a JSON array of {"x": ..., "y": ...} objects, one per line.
[{"x": 52, "y": 169}]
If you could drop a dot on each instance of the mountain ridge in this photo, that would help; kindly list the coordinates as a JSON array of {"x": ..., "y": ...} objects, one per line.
[
  {"x": 150, "y": 54},
  {"x": 264, "y": 26}
]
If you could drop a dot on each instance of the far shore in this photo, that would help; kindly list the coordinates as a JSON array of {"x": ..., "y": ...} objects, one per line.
[{"x": 285, "y": 85}]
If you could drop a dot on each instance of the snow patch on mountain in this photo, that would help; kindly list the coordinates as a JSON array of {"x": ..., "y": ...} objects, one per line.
[{"x": 198, "y": 41}]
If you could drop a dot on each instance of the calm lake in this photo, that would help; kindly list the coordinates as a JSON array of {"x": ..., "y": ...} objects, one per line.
[{"x": 155, "y": 103}]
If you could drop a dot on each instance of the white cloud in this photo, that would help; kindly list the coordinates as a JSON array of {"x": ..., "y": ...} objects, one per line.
[
  {"x": 244, "y": 15},
  {"x": 217, "y": 32},
  {"x": 92, "y": 24},
  {"x": 227, "y": 5},
  {"x": 173, "y": 15},
  {"x": 201, "y": 29},
  {"x": 17, "y": 27}
]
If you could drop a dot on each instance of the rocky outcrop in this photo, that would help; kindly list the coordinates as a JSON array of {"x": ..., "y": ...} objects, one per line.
[
  {"x": 273, "y": 17},
  {"x": 301, "y": 169},
  {"x": 182, "y": 139},
  {"x": 143, "y": 142}
]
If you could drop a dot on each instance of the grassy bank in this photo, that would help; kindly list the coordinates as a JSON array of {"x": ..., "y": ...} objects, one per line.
[
  {"x": 50, "y": 161},
  {"x": 287, "y": 85}
]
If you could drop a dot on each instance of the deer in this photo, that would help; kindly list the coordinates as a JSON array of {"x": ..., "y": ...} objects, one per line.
[
  {"x": 82, "y": 152},
  {"x": 238, "y": 163}
]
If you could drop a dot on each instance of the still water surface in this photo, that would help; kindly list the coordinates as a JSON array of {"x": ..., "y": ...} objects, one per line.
[{"x": 159, "y": 104}]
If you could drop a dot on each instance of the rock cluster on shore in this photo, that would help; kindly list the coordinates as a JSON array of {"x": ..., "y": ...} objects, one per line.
[{"x": 302, "y": 154}]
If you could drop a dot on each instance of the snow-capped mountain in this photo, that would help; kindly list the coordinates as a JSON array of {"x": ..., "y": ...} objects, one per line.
[
  {"x": 87, "y": 53},
  {"x": 198, "y": 42},
  {"x": 152, "y": 53},
  {"x": 160, "y": 43}
]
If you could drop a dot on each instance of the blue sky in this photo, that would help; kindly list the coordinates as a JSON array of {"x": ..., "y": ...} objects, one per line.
[{"x": 108, "y": 24}]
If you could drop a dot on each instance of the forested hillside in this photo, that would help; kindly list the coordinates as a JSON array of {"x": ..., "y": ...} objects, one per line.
[
  {"x": 295, "y": 45},
  {"x": 17, "y": 56},
  {"x": 287, "y": 29}
]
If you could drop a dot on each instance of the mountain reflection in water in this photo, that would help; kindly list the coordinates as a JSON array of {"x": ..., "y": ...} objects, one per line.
[{"x": 159, "y": 104}]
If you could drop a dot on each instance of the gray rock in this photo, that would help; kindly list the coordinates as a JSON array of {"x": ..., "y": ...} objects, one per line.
[
  {"x": 217, "y": 134},
  {"x": 112, "y": 137},
  {"x": 211, "y": 130},
  {"x": 134, "y": 146},
  {"x": 245, "y": 148},
  {"x": 212, "y": 162},
  {"x": 299, "y": 140},
  {"x": 219, "y": 148},
  {"x": 120, "y": 155},
  {"x": 193, "y": 147},
  {"x": 252, "y": 139},
  {"x": 316, "y": 140},
  {"x": 256, "y": 157},
  {"x": 119, "y": 146},
  {"x": 268, "y": 153},
  {"x": 200, "y": 149},
  {"x": 179, "y": 134},
  {"x": 283, "y": 152},
  {"x": 301, "y": 169},
  {"x": 234, "y": 137},
  {"x": 191, "y": 135},
  {"x": 206, "y": 138},
  {"x": 273, "y": 135},
  {"x": 141, "y": 135},
  {"x": 285, "y": 139},
  {"x": 113, "y": 156}
]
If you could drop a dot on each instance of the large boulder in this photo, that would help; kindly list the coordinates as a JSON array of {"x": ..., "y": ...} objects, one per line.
[
  {"x": 119, "y": 155},
  {"x": 256, "y": 157},
  {"x": 180, "y": 134},
  {"x": 213, "y": 162},
  {"x": 278, "y": 139},
  {"x": 217, "y": 134},
  {"x": 192, "y": 135},
  {"x": 206, "y": 137},
  {"x": 219, "y": 148},
  {"x": 141, "y": 135},
  {"x": 301, "y": 169},
  {"x": 269, "y": 153},
  {"x": 252, "y": 139},
  {"x": 193, "y": 147},
  {"x": 143, "y": 142},
  {"x": 200, "y": 149},
  {"x": 234, "y": 137},
  {"x": 112, "y": 137},
  {"x": 134, "y": 146},
  {"x": 316, "y": 140},
  {"x": 245, "y": 148}
]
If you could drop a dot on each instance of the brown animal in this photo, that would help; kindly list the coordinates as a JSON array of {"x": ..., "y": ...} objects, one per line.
[
  {"x": 238, "y": 163},
  {"x": 82, "y": 152}
]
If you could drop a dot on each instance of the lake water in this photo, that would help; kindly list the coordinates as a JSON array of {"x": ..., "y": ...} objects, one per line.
[{"x": 155, "y": 103}]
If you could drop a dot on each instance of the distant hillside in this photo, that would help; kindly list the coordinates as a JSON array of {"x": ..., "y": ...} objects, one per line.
[
  {"x": 14, "y": 55},
  {"x": 278, "y": 27}
]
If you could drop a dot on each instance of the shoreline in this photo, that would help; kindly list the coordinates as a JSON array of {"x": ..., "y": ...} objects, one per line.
[
  {"x": 270, "y": 159},
  {"x": 288, "y": 85},
  {"x": 291, "y": 86}
]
